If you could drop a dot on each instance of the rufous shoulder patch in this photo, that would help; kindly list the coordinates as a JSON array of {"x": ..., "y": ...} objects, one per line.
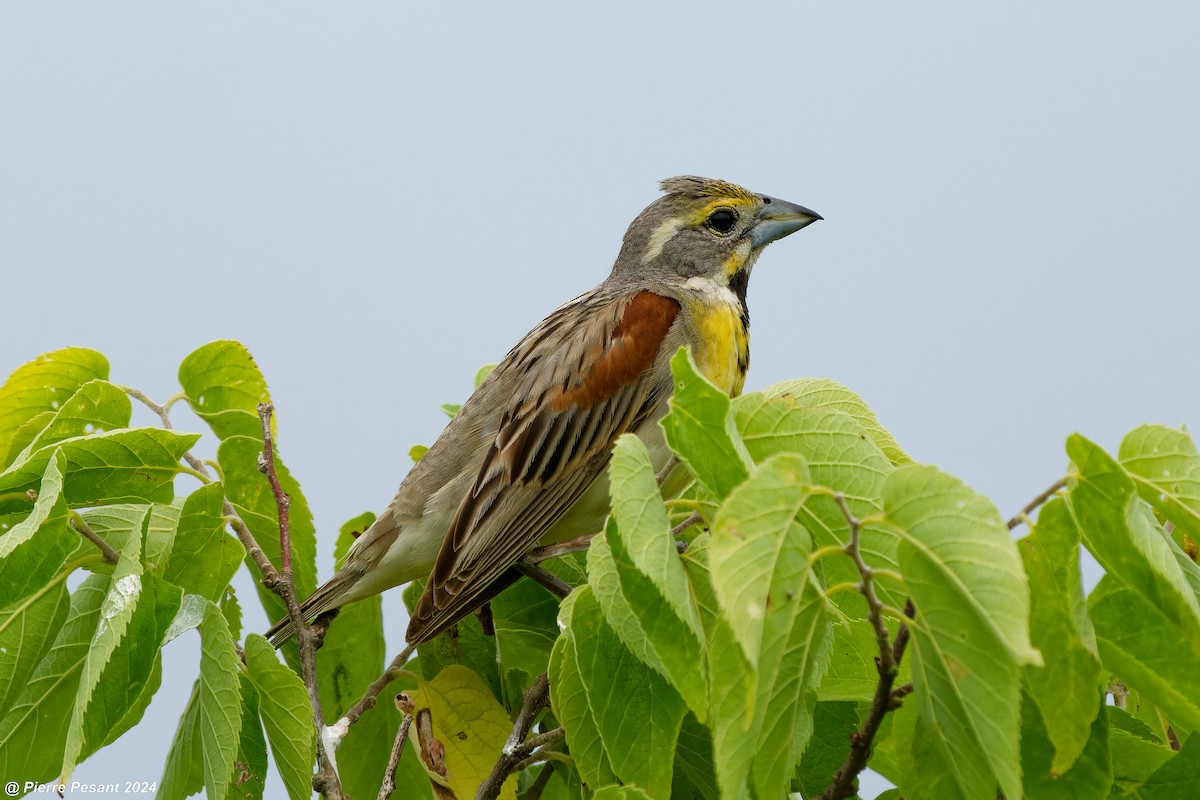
[{"x": 631, "y": 351}]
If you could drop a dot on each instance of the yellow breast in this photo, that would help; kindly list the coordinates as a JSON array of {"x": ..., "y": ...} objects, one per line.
[{"x": 722, "y": 347}]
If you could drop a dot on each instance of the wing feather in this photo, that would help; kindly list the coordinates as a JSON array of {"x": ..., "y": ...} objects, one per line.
[{"x": 571, "y": 400}]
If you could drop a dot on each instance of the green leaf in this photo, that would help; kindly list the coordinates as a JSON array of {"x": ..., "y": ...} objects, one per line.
[
  {"x": 95, "y": 407},
  {"x": 636, "y": 711},
  {"x": 824, "y": 393},
  {"x": 1066, "y": 687},
  {"x": 524, "y": 617},
  {"x": 471, "y": 725},
  {"x": 34, "y": 551},
  {"x": 125, "y": 670},
  {"x": 120, "y": 660},
  {"x": 132, "y": 464},
  {"x": 832, "y": 725},
  {"x": 286, "y": 714},
  {"x": 1090, "y": 776},
  {"x": 840, "y": 456},
  {"x": 699, "y": 428},
  {"x": 763, "y": 719},
  {"x": 1136, "y": 751},
  {"x": 250, "y": 493},
  {"x": 1151, "y": 652},
  {"x": 759, "y": 551},
  {"x": 972, "y": 631},
  {"x": 33, "y": 734},
  {"x": 248, "y": 780},
  {"x": 220, "y": 703},
  {"x": 1166, "y": 468},
  {"x": 223, "y": 386},
  {"x": 183, "y": 774},
  {"x": 160, "y": 531},
  {"x": 204, "y": 556},
  {"x": 651, "y": 576},
  {"x": 416, "y": 451},
  {"x": 694, "y": 758},
  {"x": 569, "y": 698},
  {"x": 620, "y": 793},
  {"x": 34, "y": 391},
  {"x": 1121, "y": 532},
  {"x": 27, "y": 629},
  {"x": 482, "y": 373},
  {"x": 1175, "y": 779}
]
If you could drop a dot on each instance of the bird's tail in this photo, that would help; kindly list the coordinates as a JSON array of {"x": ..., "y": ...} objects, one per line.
[{"x": 331, "y": 595}]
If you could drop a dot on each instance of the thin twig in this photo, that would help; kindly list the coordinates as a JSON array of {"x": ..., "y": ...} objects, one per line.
[
  {"x": 1023, "y": 516},
  {"x": 539, "y": 554},
  {"x": 539, "y": 748},
  {"x": 515, "y": 748},
  {"x": 845, "y": 780},
  {"x": 326, "y": 781},
  {"x": 432, "y": 751},
  {"x": 687, "y": 523},
  {"x": 83, "y": 529},
  {"x": 664, "y": 473},
  {"x": 389, "y": 774},
  {"x": 369, "y": 698},
  {"x": 548, "y": 580}
]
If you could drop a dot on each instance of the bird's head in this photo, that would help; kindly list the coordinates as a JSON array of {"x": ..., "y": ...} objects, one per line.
[{"x": 705, "y": 228}]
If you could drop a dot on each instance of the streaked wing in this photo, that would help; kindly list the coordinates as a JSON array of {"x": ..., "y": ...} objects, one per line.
[{"x": 575, "y": 387}]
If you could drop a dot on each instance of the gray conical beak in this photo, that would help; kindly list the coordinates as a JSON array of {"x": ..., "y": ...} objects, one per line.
[{"x": 779, "y": 218}]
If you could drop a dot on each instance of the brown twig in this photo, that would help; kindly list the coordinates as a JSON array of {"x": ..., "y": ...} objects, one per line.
[
  {"x": 845, "y": 780},
  {"x": 687, "y": 523},
  {"x": 389, "y": 774},
  {"x": 1061, "y": 483},
  {"x": 326, "y": 781},
  {"x": 369, "y": 698},
  {"x": 432, "y": 752},
  {"x": 83, "y": 529},
  {"x": 517, "y": 748},
  {"x": 548, "y": 580},
  {"x": 539, "y": 554},
  {"x": 538, "y": 748}
]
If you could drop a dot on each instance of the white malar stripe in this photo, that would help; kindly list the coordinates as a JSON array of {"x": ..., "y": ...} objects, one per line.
[{"x": 658, "y": 240}]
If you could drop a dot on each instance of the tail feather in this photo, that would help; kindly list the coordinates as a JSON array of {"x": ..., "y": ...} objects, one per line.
[{"x": 326, "y": 598}]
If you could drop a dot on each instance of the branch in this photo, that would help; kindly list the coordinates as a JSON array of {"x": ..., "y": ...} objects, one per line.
[
  {"x": 389, "y": 774},
  {"x": 845, "y": 780},
  {"x": 369, "y": 698},
  {"x": 308, "y": 637},
  {"x": 1023, "y": 516},
  {"x": 687, "y": 523},
  {"x": 539, "y": 554},
  {"x": 85, "y": 530},
  {"x": 432, "y": 752},
  {"x": 517, "y": 748}
]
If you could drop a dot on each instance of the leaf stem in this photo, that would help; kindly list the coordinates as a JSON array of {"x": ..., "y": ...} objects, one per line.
[{"x": 83, "y": 529}]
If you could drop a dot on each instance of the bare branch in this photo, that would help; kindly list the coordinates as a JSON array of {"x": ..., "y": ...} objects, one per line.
[
  {"x": 1061, "y": 483},
  {"x": 845, "y": 780},
  {"x": 540, "y": 554},
  {"x": 369, "y": 698},
  {"x": 687, "y": 523},
  {"x": 389, "y": 774},
  {"x": 548, "y": 580},
  {"x": 517, "y": 749},
  {"x": 308, "y": 637}
]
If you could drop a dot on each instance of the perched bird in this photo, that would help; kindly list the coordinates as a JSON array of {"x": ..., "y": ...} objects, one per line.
[{"x": 523, "y": 462}]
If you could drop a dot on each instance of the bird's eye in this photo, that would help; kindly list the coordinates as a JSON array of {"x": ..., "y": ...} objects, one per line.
[{"x": 721, "y": 220}]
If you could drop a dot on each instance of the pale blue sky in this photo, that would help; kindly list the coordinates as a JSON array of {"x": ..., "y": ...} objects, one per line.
[{"x": 377, "y": 199}]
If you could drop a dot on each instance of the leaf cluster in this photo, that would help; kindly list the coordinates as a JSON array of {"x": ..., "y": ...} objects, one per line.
[{"x": 725, "y": 639}]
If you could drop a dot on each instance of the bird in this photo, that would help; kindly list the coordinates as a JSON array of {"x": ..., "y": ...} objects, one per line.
[{"x": 523, "y": 462}]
